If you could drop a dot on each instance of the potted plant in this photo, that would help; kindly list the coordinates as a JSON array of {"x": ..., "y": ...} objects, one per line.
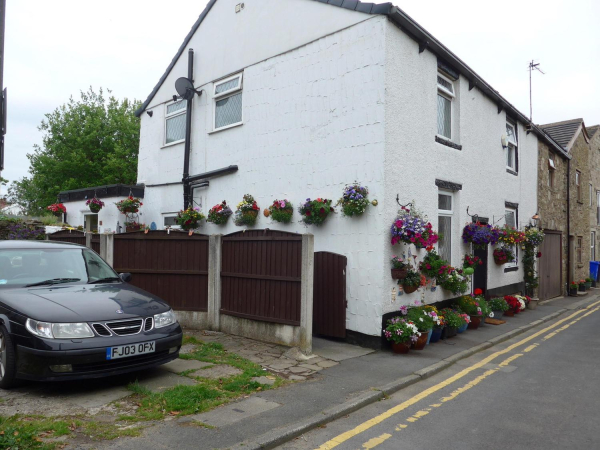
[
  {"x": 219, "y": 214},
  {"x": 511, "y": 236},
  {"x": 470, "y": 263},
  {"x": 402, "y": 333},
  {"x": 399, "y": 268},
  {"x": 454, "y": 281},
  {"x": 480, "y": 234},
  {"x": 424, "y": 323},
  {"x": 95, "y": 205},
  {"x": 57, "y": 209},
  {"x": 446, "y": 276},
  {"x": 411, "y": 228},
  {"x": 498, "y": 306},
  {"x": 281, "y": 211},
  {"x": 452, "y": 322},
  {"x": 470, "y": 305},
  {"x": 532, "y": 303},
  {"x": 354, "y": 200},
  {"x": 588, "y": 283},
  {"x": 189, "y": 219},
  {"x": 514, "y": 306},
  {"x": 573, "y": 288},
  {"x": 315, "y": 212},
  {"x": 438, "y": 324},
  {"x": 466, "y": 321},
  {"x": 582, "y": 286},
  {"x": 130, "y": 205},
  {"x": 411, "y": 281},
  {"x": 133, "y": 226},
  {"x": 246, "y": 212},
  {"x": 503, "y": 255}
]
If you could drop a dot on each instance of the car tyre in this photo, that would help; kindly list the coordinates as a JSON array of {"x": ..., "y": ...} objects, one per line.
[{"x": 7, "y": 360}]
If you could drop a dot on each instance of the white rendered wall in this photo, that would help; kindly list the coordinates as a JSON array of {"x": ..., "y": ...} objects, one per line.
[
  {"x": 313, "y": 122},
  {"x": 109, "y": 215},
  {"x": 413, "y": 159}
]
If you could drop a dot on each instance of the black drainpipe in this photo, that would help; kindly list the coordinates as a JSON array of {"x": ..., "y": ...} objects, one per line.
[
  {"x": 568, "y": 225},
  {"x": 188, "y": 135}
]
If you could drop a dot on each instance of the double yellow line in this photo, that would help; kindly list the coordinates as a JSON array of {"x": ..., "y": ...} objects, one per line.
[{"x": 340, "y": 439}]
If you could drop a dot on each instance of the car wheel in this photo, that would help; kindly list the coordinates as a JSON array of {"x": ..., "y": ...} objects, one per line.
[{"x": 7, "y": 360}]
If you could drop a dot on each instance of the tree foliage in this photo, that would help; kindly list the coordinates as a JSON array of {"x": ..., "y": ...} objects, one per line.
[{"x": 89, "y": 142}]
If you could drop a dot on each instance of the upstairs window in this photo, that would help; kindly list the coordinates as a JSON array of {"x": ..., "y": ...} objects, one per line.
[
  {"x": 511, "y": 151},
  {"x": 551, "y": 170},
  {"x": 578, "y": 185},
  {"x": 175, "y": 122},
  {"x": 228, "y": 102},
  {"x": 598, "y": 207},
  {"x": 445, "y": 96},
  {"x": 445, "y": 213},
  {"x": 591, "y": 195}
]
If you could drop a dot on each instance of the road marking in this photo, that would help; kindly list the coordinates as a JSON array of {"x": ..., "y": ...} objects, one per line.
[
  {"x": 340, "y": 439},
  {"x": 372, "y": 443},
  {"x": 531, "y": 347},
  {"x": 507, "y": 361}
]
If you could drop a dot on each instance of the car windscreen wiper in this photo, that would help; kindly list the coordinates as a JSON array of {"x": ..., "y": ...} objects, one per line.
[
  {"x": 53, "y": 281},
  {"x": 104, "y": 280}
]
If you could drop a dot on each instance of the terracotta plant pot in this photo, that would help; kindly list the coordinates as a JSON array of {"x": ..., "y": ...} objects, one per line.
[
  {"x": 400, "y": 348},
  {"x": 533, "y": 303},
  {"x": 399, "y": 274},
  {"x": 421, "y": 341},
  {"x": 436, "y": 335},
  {"x": 509, "y": 313},
  {"x": 409, "y": 289},
  {"x": 475, "y": 321}
]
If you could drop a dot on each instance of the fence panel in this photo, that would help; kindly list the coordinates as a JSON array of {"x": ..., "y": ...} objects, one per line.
[
  {"x": 261, "y": 276},
  {"x": 171, "y": 266},
  {"x": 73, "y": 236}
]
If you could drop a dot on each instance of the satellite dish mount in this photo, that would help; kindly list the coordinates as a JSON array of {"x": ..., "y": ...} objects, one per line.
[{"x": 185, "y": 88}]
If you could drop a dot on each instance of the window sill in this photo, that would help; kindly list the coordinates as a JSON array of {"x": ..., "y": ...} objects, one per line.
[
  {"x": 512, "y": 172},
  {"x": 447, "y": 142},
  {"x": 511, "y": 269},
  {"x": 171, "y": 144},
  {"x": 226, "y": 128}
]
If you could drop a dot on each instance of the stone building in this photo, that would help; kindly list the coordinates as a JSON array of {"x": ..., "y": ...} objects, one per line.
[
  {"x": 572, "y": 136},
  {"x": 594, "y": 136}
]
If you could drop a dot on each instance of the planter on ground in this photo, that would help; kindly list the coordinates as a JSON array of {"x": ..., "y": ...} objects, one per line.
[
  {"x": 400, "y": 348},
  {"x": 421, "y": 341},
  {"x": 462, "y": 328},
  {"x": 533, "y": 303},
  {"x": 449, "y": 332},
  {"x": 498, "y": 314},
  {"x": 509, "y": 313},
  {"x": 475, "y": 321},
  {"x": 436, "y": 335}
]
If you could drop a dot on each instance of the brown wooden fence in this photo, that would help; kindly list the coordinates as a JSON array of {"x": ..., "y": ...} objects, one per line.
[
  {"x": 171, "y": 266},
  {"x": 329, "y": 295},
  {"x": 261, "y": 275},
  {"x": 74, "y": 236}
]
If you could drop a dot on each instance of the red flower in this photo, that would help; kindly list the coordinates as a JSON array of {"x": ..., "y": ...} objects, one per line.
[
  {"x": 308, "y": 213},
  {"x": 478, "y": 291},
  {"x": 539, "y": 254}
]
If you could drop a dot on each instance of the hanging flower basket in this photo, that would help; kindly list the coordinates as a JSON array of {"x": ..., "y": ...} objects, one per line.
[
  {"x": 503, "y": 255},
  {"x": 411, "y": 228},
  {"x": 315, "y": 212},
  {"x": 189, "y": 219},
  {"x": 281, "y": 211},
  {"x": 95, "y": 205},
  {"x": 399, "y": 268},
  {"x": 130, "y": 205},
  {"x": 133, "y": 226},
  {"x": 246, "y": 212},
  {"x": 399, "y": 274},
  {"x": 219, "y": 214},
  {"x": 354, "y": 200},
  {"x": 480, "y": 234},
  {"x": 57, "y": 209}
]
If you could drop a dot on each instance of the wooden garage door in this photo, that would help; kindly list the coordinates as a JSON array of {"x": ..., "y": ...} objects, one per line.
[{"x": 550, "y": 273}]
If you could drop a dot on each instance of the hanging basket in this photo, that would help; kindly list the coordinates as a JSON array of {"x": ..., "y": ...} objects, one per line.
[
  {"x": 399, "y": 274},
  {"x": 95, "y": 208},
  {"x": 410, "y": 289},
  {"x": 500, "y": 261}
]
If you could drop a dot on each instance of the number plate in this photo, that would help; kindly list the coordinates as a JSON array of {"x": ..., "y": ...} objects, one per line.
[{"x": 124, "y": 351}]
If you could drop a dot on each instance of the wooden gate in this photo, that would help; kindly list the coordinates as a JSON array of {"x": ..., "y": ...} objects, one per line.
[
  {"x": 329, "y": 295},
  {"x": 550, "y": 266},
  {"x": 261, "y": 275},
  {"x": 171, "y": 266},
  {"x": 73, "y": 236}
]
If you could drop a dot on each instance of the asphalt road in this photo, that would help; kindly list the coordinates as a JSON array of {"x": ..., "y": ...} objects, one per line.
[{"x": 537, "y": 391}]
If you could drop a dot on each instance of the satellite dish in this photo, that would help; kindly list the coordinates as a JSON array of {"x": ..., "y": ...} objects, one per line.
[{"x": 185, "y": 88}]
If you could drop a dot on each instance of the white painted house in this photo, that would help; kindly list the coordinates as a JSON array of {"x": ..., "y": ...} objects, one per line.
[{"x": 306, "y": 96}]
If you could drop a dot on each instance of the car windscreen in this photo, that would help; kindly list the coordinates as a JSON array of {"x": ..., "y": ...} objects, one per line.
[{"x": 21, "y": 267}]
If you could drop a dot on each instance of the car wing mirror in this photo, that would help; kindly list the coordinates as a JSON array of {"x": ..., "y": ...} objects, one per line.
[{"x": 126, "y": 277}]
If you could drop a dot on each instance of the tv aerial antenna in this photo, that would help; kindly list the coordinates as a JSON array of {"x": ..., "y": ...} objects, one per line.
[{"x": 532, "y": 66}]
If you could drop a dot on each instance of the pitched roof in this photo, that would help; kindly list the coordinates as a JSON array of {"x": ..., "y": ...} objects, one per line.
[
  {"x": 592, "y": 130},
  {"x": 412, "y": 29},
  {"x": 563, "y": 132}
]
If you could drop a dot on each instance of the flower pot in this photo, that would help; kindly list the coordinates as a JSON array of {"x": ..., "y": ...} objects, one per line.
[
  {"x": 400, "y": 348},
  {"x": 429, "y": 334},
  {"x": 95, "y": 208},
  {"x": 573, "y": 292},
  {"x": 509, "y": 313},
  {"x": 533, "y": 303},
  {"x": 190, "y": 226},
  {"x": 475, "y": 321},
  {"x": 582, "y": 288},
  {"x": 399, "y": 274},
  {"x": 499, "y": 261},
  {"x": 462, "y": 328},
  {"x": 129, "y": 210},
  {"x": 436, "y": 335},
  {"x": 421, "y": 341},
  {"x": 588, "y": 285},
  {"x": 498, "y": 314},
  {"x": 57, "y": 213},
  {"x": 449, "y": 332},
  {"x": 410, "y": 289}
]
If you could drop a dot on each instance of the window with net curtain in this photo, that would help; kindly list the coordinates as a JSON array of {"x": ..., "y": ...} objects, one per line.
[
  {"x": 228, "y": 102},
  {"x": 444, "y": 110},
  {"x": 175, "y": 122},
  {"x": 510, "y": 218},
  {"x": 445, "y": 225}
]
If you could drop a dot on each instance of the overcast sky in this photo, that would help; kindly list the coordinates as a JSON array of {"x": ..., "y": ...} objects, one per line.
[{"x": 56, "y": 48}]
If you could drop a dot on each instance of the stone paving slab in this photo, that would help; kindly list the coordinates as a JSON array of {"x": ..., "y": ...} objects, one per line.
[
  {"x": 163, "y": 380},
  {"x": 233, "y": 412},
  {"x": 218, "y": 371},
  {"x": 181, "y": 365}
]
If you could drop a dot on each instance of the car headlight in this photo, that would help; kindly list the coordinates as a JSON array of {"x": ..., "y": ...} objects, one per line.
[
  {"x": 59, "y": 330},
  {"x": 164, "y": 319}
]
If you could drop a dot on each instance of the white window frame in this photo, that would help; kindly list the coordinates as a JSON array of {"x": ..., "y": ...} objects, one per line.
[
  {"x": 513, "y": 145},
  {"x": 444, "y": 92},
  {"x": 578, "y": 191},
  {"x": 591, "y": 195},
  {"x": 225, "y": 94},
  {"x": 551, "y": 170},
  {"x": 515, "y": 248},
  {"x": 447, "y": 213},
  {"x": 179, "y": 112},
  {"x": 169, "y": 214}
]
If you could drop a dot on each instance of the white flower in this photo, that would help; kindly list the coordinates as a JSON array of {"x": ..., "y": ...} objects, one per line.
[{"x": 491, "y": 314}]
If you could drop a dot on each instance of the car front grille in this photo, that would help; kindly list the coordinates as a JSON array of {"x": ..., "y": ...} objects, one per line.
[
  {"x": 101, "y": 329},
  {"x": 149, "y": 324},
  {"x": 125, "y": 327}
]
